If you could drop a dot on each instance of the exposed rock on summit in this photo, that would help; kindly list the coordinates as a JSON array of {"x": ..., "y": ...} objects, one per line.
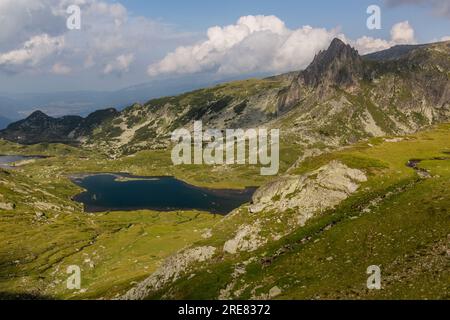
[{"x": 339, "y": 65}]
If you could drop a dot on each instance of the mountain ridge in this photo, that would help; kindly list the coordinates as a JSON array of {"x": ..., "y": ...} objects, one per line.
[
  {"x": 339, "y": 98},
  {"x": 38, "y": 127}
]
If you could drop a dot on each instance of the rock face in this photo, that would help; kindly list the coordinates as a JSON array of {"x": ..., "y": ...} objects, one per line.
[
  {"x": 340, "y": 65},
  {"x": 6, "y": 206},
  {"x": 317, "y": 191},
  {"x": 171, "y": 269},
  {"x": 295, "y": 199}
]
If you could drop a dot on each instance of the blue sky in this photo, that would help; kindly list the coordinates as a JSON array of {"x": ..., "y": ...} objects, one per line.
[
  {"x": 128, "y": 42},
  {"x": 198, "y": 15}
]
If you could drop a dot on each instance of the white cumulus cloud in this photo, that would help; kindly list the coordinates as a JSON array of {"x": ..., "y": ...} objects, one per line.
[
  {"x": 32, "y": 53},
  {"x": 265, "y": 44},
  {"x": 120, "y": 65},
  {"x": 31, "y": 30},
  {"x": 22, "y": 19},
  {"x": 401, "y": 33},
  {"x": 34, "y": 37},
  {"x": 368, "y": 44},
  {"x": 253, "y": 44}
]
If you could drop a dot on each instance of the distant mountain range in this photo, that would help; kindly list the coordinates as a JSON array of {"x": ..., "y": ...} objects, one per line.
[
  {"x": 394, "y": 52},
  {"x": 39, "y": 127},
  {"x": 4, "y": 122},
  {"x": 340, "y": 98},
  {"x": 16, "y": 106}
]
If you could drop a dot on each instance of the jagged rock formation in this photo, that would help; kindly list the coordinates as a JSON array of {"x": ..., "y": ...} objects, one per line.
[
  {"x": 340, "y": 65},
  {"x": 247, "y": 239},
  {"x": 354, "y": 98},
  {"x": 302, "y": 219}
]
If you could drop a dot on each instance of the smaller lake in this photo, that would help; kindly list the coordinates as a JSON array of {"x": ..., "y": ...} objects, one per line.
[
  {"x": 7, "y": 162},
  {"x": 122, "y": 192}
]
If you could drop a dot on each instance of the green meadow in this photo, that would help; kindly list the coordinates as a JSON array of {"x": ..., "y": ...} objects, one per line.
[{"x": 396, "y": 220}]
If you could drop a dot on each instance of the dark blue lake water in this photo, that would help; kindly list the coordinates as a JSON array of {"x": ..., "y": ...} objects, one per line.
[{"x": 121, "y": 192}]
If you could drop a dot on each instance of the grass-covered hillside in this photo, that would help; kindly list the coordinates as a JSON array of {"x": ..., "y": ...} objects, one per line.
[
  {"x": 397, "y": 219},
  {"x": 43, "y": 231}
]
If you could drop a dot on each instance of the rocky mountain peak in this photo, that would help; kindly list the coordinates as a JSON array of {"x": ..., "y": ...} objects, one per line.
[
  {"x": 339, "y": 46},
  {"x": 37, "y": 115},
  {"x": 339, "y": 65}
]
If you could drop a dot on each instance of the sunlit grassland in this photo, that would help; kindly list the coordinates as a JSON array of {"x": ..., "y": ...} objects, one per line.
[
  {"x": 113, "y": 249},
  {"x": 396, "y": 220},
  {"x": 116, "y": 249},
  {"x": 46, "y": 231}
]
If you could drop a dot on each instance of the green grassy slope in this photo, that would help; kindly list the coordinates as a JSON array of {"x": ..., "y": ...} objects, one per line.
[
  {"x": 44, "y": 231},
  {"x": 396, "y": 220},
  {"x": 404, "y": 231},
  {"x": 123, "y": 247}
]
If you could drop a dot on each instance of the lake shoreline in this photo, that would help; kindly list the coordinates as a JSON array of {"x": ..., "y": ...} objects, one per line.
[
  {"x": 226, "y": 197},
  {"x": 73, "y": 176}
]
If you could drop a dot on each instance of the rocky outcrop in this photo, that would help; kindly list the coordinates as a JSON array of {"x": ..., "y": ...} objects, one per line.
[
  {"x": 246, "y": 239},
  {"x": 307, "y": 194},
  {"x": 6, "y": 206},
  {"x": 295, "y": 199},
  {"x": 171, "y": 270}
]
